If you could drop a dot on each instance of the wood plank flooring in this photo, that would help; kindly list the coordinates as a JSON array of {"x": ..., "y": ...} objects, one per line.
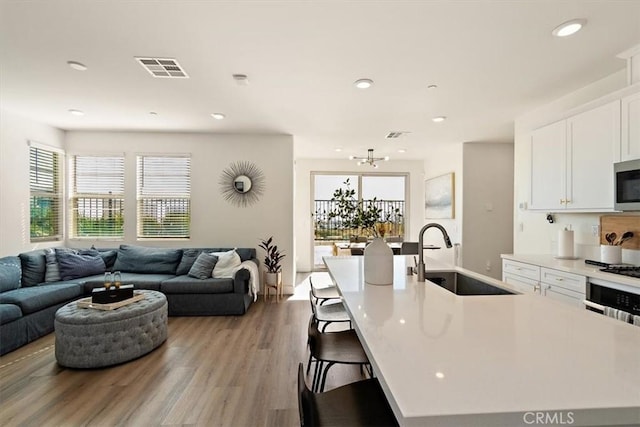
[{"x": 211, "y": 371}]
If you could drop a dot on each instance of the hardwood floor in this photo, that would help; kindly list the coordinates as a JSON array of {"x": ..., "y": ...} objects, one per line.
[{"x": 211, "y": 371}]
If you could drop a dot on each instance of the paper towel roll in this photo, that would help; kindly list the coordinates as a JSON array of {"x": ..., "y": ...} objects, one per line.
[{"x": 565, "y": 243}]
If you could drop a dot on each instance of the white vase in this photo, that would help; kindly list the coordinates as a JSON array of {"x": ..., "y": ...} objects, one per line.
[{"x": 378, "y": 263}]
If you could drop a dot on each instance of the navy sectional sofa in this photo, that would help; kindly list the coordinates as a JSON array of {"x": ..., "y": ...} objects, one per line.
[{"x": 32, "y": 290}]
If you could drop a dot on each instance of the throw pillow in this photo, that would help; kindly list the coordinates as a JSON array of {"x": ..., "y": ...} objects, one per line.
[
  {"x": 10, "y": 273},
  {"x": 108, "y": 256},
  {"x": 227, "y": 264},
  {"x": 82, "y": 264},
  {"x": 52, "y": 271},
  {"x": 189, "y": 256},
  {"x": 143, "y": 259},
  {"x": 203, "y": 266}
]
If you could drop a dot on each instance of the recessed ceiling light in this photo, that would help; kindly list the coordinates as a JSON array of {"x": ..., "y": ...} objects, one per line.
[
  {"x": 77, "y": 65},
  {"x": 241, "y": 79},
  {"x": 77, "y": 112},
  {"x": 431, "y": 87},
  {"x": 402, "y": 150},
  {"x": 338, "y": 149},
  {"x": 570, "y": 27},
  {"x": 363, "y": 83},
  {"x": 438, "y": 119},
  {"x": 218, "y": 116}
]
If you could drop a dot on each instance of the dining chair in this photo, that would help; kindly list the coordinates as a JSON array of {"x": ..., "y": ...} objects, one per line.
[
  {"x": 409, "y": 248},
  {"x": 329, "y": 348},
  {"x": 361, "y": 403},
  {"x": 325, "y": 293}
]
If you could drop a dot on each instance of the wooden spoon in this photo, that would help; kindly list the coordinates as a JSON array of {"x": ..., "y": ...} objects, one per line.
[
  {"x": 610, "y": 237},
  {"x": 625, "y": 236}
]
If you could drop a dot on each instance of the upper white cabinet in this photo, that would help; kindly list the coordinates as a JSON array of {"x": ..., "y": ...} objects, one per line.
[
  {"x": 572, "y": 161},
  {"x": 630, "y": 140},
  {"x": 548, "y": 166}
]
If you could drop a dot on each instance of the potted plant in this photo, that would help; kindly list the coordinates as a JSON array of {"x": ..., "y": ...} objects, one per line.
[{"x": 272, "y": 259}]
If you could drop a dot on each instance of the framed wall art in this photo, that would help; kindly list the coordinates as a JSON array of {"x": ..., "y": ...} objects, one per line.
[{"x": 439, "y": 197}]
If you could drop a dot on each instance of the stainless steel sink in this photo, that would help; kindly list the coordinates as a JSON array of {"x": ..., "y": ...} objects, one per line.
[{"x": 461, "y": 284}]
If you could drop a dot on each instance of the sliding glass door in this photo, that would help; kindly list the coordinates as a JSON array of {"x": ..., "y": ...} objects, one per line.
[{"x": 379, "y": 201}]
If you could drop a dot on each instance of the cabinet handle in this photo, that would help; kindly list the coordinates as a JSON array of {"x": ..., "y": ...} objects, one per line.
[
  {"x": 536, "y": 288},
  {"x": 562, "y": 201},
  {"x": 568, "y": 201},
  {"x": 559, "y": 279}
]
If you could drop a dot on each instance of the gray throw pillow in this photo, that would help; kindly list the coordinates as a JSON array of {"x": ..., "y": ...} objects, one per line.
[
  {"x": 189, "y": 256},
  {"x": 82, "y": 264},
  {"x": 203, "y": 266},
  {"x": 52, "y": 270}
]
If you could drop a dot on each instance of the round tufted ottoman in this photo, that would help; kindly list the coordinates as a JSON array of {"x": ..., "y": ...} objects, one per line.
[{"x": 90, "y": 338}]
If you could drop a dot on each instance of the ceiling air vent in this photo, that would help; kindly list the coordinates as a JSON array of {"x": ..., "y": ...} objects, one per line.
[
  {"x": 164, "y": 68},
  {"x": 394, "y": 135}
]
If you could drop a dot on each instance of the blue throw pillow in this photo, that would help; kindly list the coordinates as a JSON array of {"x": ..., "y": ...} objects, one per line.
[
  {"x": 203, "y": 266},
  {"x": 142, "y": 259},
  {"x": 10, "y": 273},
  {"x": 81, "y": 264},
  {"x": 33, "y": 264}
]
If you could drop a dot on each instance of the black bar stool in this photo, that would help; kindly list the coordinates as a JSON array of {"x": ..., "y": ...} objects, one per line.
[
  {"x": 333, "y": 347},
  {"x": 361, "y": 403}
]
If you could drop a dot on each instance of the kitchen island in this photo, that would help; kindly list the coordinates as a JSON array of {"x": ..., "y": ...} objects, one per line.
[{"x": 490, "y": 360}]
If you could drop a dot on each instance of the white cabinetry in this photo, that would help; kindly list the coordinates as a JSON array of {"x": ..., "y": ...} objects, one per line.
[
  {"x": 572, "y": 161},
  {"x": 630, "y": 139},
  {"x": 524, "y": 277},
  {"x": 563, "y": 286},
  {"x": 559, "y": 285},
  {"x": 548, "y": 166}
]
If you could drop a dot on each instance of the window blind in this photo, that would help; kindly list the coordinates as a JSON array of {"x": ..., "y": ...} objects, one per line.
[
  {"x": 164, "y": 196},
  {"x": 97, "y": 199},
  {"x": 45, "y": 194}
]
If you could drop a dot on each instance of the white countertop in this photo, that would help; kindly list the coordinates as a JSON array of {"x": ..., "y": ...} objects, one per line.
[
  {"x": 577, "y": 266},
  {"x": 449, "y": 360}
]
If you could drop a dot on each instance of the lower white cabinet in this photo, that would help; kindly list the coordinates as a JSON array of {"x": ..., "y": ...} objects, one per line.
[
  {"x": 563, "y": 286},
  {"x": 559, "y": 285}
]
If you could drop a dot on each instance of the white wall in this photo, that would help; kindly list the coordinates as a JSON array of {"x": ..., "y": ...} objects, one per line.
[
  {"x": 15, "y": 131},
  {"x": 532, "y": 233},
  {"x": 214, "y": 221},
  {"x": 487, "y": 222},
  {"x": 442, "y": 159},
  {"x": 303, "y": 188}
]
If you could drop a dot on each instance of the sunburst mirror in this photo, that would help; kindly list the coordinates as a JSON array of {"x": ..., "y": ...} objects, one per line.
[{"x": 242, "y": 183}]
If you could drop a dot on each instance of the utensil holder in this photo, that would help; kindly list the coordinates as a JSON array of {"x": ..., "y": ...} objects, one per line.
[{"x": 611, "y": 254}]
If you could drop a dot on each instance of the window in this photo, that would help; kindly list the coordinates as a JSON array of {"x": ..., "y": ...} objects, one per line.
[
  {"x": 164, "y": 196},
  {"x": 46, "y": 195},
  {"x": 97, "y": 196}
]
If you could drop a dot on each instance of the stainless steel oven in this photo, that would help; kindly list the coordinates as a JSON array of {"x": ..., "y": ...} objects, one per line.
[
  {"x": 603, "y": 295},
  {"x": 627, "y": 185}
]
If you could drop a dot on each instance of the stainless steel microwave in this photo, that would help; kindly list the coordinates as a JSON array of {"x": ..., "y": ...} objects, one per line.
[{"x": 627, "y": 185}]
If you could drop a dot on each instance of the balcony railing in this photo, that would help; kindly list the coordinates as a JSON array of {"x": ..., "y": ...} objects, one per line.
[{"x": 325, "y": 228}]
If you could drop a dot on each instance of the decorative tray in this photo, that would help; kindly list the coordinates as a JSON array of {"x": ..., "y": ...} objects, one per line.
[{"x": 86, "y": 303}]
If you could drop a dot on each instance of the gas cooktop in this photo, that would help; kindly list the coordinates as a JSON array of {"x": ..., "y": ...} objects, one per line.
[{"x": 630, "y": 271}]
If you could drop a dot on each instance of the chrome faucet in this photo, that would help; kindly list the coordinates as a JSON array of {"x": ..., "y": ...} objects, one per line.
[{"x": 447, "y": 241}]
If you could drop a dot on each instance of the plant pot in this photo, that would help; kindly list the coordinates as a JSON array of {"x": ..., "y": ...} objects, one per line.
[{"x": 272, "y": 279}]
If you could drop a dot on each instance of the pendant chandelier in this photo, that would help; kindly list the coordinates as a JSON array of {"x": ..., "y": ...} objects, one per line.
[{"x": 370, "y": 159}]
